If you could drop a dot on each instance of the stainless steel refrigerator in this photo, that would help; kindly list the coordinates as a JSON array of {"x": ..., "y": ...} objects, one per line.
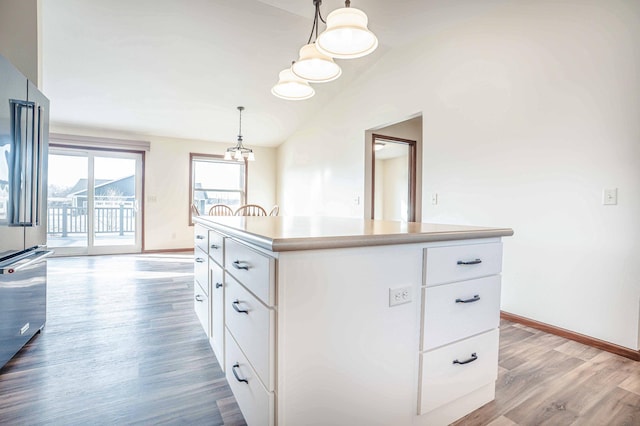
[{"x": 24, "y": 134}]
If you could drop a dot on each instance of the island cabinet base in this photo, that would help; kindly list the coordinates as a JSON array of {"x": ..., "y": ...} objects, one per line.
[{"x": 352, "y": 334}]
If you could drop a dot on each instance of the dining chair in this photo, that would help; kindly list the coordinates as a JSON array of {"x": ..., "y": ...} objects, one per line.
[
  {"x": 274, "y": 210},
  {"x": 220, "y": 210},
  {"x": 250, "y": 210}
]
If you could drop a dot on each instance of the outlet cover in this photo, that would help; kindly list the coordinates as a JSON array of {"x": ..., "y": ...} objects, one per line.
[{"x": 399, "y": 296}]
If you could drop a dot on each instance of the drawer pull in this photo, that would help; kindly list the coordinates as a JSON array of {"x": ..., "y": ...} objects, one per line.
[
  {"x": 199, "y": 237},
  {"x": 469, "y": 262},
  {"x": 215, "y": 247},
  {"x": 235, "y": 304},
  {"x": 240, "y": 265},
  {"x": 218, "y": 285},
  {"x": 238, "y": 378},
  {"x": 473, "y": 299},
  {"x": 466, "y": 361},
  {"x": 199, "y": 298},
  {"x": 199, "y": 260}
]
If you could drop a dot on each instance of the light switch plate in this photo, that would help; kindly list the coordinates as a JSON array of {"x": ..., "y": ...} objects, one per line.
[{"x": 610, "y": 196}]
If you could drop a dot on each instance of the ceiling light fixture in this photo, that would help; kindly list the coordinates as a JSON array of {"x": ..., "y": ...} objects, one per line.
[
  {"x": 377, "y": 146},
  {"x": 347, "y": 35},
  {"x": 239, "y": 152},
  {"x": 312, "y": 65},
  {"x": 291, "y": 87}
]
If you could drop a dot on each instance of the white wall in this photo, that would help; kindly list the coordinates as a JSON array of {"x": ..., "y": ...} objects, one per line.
[
  {"x": 166, "y": 184},
  {"x": 19, "y": 30},
  {"x": 529, "y": 110}
]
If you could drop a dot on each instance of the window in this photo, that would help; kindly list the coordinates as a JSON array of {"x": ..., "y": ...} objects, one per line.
[{"x": 216, "y": 181}]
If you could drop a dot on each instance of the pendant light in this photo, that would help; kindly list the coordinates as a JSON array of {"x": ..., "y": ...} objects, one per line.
[
  {"x": 291, "y": 87},
  {"x": 347, "y": 35},
  {"x": 313, "y": 66},
  {"x": 239, "y": 152}
]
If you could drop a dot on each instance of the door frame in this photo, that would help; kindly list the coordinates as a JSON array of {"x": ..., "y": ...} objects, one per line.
[
  {"x": 411, "y": 199},
  {"x": 91, "y": 152}
]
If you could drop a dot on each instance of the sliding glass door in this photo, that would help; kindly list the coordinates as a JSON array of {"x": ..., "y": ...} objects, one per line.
[{"x": 93, "y": 201}]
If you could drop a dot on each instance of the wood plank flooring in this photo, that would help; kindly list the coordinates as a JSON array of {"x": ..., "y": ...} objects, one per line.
[
  {"x": 122, "y": 345},
  {"x": 548, "y": 380}
]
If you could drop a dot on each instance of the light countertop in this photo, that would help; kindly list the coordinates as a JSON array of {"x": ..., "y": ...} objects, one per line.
[{"x": 287, "y": 233}]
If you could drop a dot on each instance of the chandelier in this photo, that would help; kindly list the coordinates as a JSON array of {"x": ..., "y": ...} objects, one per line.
[
  {"x": 345, "y": 37},
  {"x": 239, "y": 152}
]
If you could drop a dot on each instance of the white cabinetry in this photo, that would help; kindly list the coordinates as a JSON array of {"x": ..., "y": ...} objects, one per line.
[
  {"x": 201, "y": 277},
  {"x": 250, "y": 329},
  {"x": 307, "y": 336},
  {"x": 460, "y": 319}
]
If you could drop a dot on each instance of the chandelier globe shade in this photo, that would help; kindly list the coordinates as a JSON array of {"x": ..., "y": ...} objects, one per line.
[
  {"x": 347, "y": 35},
  {"x": 291, "y": 87},
  {"x": 314, "y": 66}
]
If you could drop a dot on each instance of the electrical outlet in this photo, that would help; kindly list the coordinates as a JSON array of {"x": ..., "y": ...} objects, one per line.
[{"x": 399, "y": 295}]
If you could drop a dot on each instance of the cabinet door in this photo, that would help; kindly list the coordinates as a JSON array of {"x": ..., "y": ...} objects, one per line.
[{"x": 217, "y": 312}]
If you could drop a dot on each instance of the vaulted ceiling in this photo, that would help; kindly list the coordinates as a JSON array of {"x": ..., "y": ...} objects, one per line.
[{"x": 179, "y": 68}]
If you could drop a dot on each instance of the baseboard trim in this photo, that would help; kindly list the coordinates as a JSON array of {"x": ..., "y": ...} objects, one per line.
[
  {"x": 567, "y": 334},
  {"x": 178, "y": 250}
]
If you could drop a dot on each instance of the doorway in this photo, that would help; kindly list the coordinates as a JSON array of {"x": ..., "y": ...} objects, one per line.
[
  {"x": 394, "y": 183},
  {"x": 393, "y": 171},
  {"x": 93, "y": 201}
]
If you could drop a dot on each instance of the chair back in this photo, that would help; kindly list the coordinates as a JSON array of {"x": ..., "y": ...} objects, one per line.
[
  {"x": 220, "y": 210},
  {"x": 194, "y": 210},
  {"x": 274, "y": 210},
  {"x": 250, "y": 210}
]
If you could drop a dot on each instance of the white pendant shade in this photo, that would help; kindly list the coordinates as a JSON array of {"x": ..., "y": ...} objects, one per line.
[
  {"x": 347, "y": 35},
  {"x": 292, "y": 87},
  {"x": 315, "y": 67}
]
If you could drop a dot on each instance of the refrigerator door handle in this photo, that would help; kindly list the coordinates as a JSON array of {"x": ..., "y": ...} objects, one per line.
[
  {"x": 36, "y": 176},
  {"x": 25, "y": 262},
  {"x": 22, "y": 162}
]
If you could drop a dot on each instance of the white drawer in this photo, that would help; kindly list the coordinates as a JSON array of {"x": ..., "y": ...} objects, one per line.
[
  {"x": 252, "y": 324},
  {"x": 216, "y": 247},
  {"x": 201, "y": 237},
  {"x": 255, "y": 402},
  {"x": 455, "y": 311},
  {"x": 459, "y": 263},
  {"x": 253, "y": 269},
  {"x": 217, "y": 312},
  {"x": 201, "y": 306},
  {"x": 443, "y": 380},
  {"x": 201, "y": 268}
]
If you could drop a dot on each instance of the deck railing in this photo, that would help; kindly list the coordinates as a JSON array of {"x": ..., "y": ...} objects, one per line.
[{"x": 65, "y": 220}]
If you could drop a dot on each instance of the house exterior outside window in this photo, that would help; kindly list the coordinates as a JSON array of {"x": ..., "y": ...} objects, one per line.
[{"x": 216, "y": 181}]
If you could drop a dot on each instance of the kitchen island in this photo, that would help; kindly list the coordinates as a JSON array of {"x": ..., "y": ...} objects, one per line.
[{"x": 337, "y": 321}]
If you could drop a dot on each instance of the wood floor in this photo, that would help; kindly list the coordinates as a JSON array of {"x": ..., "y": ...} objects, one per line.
[{"x": 122, "y": 345}]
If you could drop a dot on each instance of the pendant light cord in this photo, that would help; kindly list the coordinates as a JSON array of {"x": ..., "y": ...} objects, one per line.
[
  {"x": 240, "y": 125},
  {"x": 318, "y": 17}
]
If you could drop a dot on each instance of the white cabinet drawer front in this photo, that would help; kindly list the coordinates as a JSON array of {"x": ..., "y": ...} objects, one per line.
[
  {"x": 255, "y": 402},
  {"x": 253, "y": 269},
  {"x": 465, "y": 262},
  {"x": 201, "y": 237},
  {"x": 217, "y": 312},
  {"x": 201, "y": 268},
  {"x": 453, "y": 371},
  {"x": 458, "y": 310},
  {"x": 251, "y": 323},
  {"x": 201, "y": 306},
  {"x": 216, "y": 247}
]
